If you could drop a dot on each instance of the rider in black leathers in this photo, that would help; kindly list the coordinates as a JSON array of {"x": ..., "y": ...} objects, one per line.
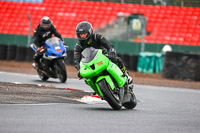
[
  {"x": 44, "y": 31},
  {"x": 86, "y": 38}
]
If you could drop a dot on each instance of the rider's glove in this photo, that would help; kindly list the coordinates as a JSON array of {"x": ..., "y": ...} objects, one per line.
[
  {"x": 39, "y": 48},
  {"x": 112, "y": 53}
]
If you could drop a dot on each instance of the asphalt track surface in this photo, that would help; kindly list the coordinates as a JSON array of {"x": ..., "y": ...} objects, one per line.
[{"x": 159, "y": 110}]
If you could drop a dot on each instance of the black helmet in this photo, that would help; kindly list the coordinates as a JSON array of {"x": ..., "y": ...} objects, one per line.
[
  {"x": 45, "y": 23},
  {"x": 84, "y": 27}
]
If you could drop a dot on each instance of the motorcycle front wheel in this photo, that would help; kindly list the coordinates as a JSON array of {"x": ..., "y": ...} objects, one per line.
[
  {"x": 109, "y": 96},
  {"x": 42, "y": 76},
  {"x": 61, "y": 70}
]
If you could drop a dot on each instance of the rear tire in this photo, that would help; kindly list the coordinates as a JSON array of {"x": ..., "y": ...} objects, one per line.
[
  {"x": 109, "y": 96},
  {"x": 132, "y": 103},
  {"x": 61, "y": 70}
]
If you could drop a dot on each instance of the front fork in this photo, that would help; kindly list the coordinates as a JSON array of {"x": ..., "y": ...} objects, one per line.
[{"x": 128, "y": 90}]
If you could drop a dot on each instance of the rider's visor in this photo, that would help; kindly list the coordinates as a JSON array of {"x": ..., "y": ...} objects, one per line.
[
  {"x": 83, "y": 35},
  {"x": 46, "y": 26}
]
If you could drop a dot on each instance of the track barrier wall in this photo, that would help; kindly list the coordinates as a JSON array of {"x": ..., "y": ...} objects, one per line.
[
  {"x": 14, "y": 47},
  {"x": 181, "y": 66},
  {"x": 20, "y": 53},
  {"x": 11, "y": 52}
]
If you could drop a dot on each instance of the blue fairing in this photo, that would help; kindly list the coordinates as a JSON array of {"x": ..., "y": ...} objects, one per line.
[{"x": 55, "y": 47}]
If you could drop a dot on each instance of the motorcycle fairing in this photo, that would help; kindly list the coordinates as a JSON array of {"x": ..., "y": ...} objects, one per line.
[
  {"x": 93, "y": 68},
  {"x": 55, "y": 47},
  {"x": 117, "y": 74}
]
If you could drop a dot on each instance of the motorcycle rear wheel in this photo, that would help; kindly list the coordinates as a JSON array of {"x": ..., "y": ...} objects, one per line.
[
  {"x": 61, "y": 71},
  {"x": 132, "y": 103},
  {"x": 109, "y": 96}
]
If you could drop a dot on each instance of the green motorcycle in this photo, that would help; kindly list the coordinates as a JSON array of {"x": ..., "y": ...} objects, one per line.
[{"x": 106, "y": 79}]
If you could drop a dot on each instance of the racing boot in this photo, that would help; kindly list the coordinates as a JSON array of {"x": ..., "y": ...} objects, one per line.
[
  {"x": 35, "y": 65},
  {"x": 37, "y": 57},
  {"x": 129, "y": 78},
  {"x": 131, "y": 86}
]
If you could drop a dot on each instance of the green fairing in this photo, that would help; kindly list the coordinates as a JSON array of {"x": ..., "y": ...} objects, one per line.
[
  {"x": 87, "y": 72},
  {"x": 101, "y": 63},
  {"x": 114, "y": 70}
]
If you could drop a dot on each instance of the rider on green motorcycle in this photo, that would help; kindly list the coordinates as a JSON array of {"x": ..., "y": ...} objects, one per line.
[{"x": 86, "y": 38}]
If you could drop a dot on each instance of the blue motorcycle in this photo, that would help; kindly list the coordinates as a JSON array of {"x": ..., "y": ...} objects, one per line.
[{"x": 52, "y": 62}]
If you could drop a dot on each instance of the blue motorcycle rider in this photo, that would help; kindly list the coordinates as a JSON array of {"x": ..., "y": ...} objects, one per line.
[{"x": 43, "y": 31}]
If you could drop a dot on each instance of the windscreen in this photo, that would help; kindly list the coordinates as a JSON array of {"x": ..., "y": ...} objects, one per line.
[
  {"x": 88, "y": 54},
  {"x": 53, "y": 41}
]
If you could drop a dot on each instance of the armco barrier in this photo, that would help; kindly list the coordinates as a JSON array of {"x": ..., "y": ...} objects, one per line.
[{"x": 181, "y": 66}]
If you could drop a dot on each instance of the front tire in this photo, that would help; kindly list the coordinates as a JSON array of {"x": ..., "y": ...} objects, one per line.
[
  {"x": 42, "y": 76},
  {"x": 109, "y": 96},
  {"x": 61, "y": 70}
]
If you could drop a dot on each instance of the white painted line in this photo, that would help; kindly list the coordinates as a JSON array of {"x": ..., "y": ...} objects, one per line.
[
  {"x": 92, "y": 100},
  {"x": 17, "y": 83}
]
